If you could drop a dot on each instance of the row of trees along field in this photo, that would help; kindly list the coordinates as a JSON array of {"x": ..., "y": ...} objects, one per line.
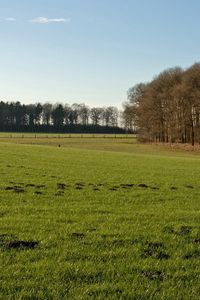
[
  {"x": 47, "y": 117},
  {"x": 167, "y": 109}
]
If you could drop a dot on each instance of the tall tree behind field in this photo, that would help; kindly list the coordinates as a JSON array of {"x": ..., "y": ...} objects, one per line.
[
  {"x": 58, "y": 114},
  {"x": 128, "y": 117},
  {"x": 84, "y": 114},
  {"x": 77, "y": 118},
  {"x": 30, "y": 111},
  {"x": 191, "y": 97},
  {"x": 109, "y": 116},
  {"x": 47, "y": 112},
  {"x": 168, "y": 108},
  {"x": 38, "y": 113},
  {"x": 19, "y": 114},
  {"x": 159, "y": 102},
  {"x": 67, "y": 112},
  {"x": 4, "y": 111},
  {"x": 132, "y": 114},
  {"x": 96, "y": 115}
]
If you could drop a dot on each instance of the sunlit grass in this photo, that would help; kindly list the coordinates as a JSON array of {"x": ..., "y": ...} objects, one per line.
[{"x": 116, "y": 224}]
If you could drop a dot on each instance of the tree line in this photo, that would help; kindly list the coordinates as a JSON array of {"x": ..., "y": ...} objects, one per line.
[
  {"x": 48, "y": 117},
  {"x": 167, "y": 109}
]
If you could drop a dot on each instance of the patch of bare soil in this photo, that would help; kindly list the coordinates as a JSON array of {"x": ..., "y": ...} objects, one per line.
[
  {"x": 17, "y": 244},
  {"x": 155, "y": 250},
  {"x": 152, "y": 274}
]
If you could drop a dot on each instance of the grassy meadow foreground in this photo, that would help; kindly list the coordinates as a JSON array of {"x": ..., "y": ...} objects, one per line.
[{"x": 98, "y": 218}]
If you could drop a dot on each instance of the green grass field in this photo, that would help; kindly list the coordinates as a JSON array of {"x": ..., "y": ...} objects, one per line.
[{"x": 98, "y": 219}]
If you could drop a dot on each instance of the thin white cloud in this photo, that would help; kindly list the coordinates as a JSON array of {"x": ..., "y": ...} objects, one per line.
[
  {"x": 44, "y": 20},
  {"x": 10, "y": 19}
]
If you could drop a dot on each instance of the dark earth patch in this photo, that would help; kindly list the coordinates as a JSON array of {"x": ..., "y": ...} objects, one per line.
[
  {"x": 38, "y": 193},
  {"x": 152, "y": 274},
  {"x": 17, "y": 244},
  {"x": 196, "y": 241},
  {"x": 108, "y": 293},
  {"x": 189, "y": 186},
  {"x": 184, "y": 230},
  {"x": 129, "y": 184},
  {"x": 142, "y": 185},
  {"x": 60, "y": 193},
  {"x": 92, "y": 229},
  {"x": 3, "y": 213},
  {"x": 70, "y": 221},
  {"x": 155, "y": 250},
  {"x": 15, "y": 188},
  {"x": 106, "y": 236},
  {"x": 191, "y": 255},
  {"x": 61, "y": 186},
  {"x": 77, "y": 235},
  {"x": 9, "y": 188},
  {"x": 126, "y": 185},
  {"x": 79, "y": 187},
  {"x": 40, "y": 186},
  {"x": 19, "y": 190}
]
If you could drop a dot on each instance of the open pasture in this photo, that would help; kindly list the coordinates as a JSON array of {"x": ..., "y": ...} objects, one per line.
[{"x": 98, "y": 219}]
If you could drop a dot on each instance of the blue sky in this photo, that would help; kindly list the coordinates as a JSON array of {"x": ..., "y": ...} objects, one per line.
[{"x": 91, "y": 51}]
